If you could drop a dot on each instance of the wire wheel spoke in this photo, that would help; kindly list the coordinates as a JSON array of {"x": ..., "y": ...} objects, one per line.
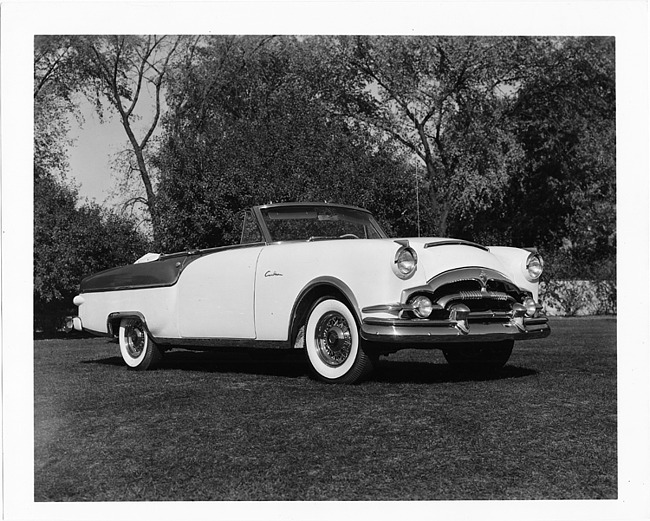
[
  {"x": 333, "y": 339},
  {"x": 135, "y": 339}
]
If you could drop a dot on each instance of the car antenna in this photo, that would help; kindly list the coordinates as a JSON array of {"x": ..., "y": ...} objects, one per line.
[{"x": 417, "y": 195}]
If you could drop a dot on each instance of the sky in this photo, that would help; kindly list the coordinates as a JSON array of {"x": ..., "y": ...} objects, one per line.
[{"x": 95, "y": 146}]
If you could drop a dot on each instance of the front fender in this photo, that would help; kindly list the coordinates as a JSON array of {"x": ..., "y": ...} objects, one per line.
[
  {"x": 360, "y": 270},
  {"x": 317, "y": 288}
]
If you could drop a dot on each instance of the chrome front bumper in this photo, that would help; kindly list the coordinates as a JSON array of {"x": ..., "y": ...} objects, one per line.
[{"x": 477, "y": 327}]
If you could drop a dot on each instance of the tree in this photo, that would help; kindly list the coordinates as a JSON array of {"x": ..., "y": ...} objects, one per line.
[
  {"x": 245, "y": 126},
  {"x": 121, "y": 68},
  {"x": 56, "y": 79},
  {"x": 566, "y": 123},
  {"x": 71, "y": 242},
  {"x": 563, "y": 198},
  {"x": 444, "y": 99}
]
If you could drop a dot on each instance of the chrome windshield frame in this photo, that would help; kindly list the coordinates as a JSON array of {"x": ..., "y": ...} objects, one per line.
[{"x": 268, "y": 238}]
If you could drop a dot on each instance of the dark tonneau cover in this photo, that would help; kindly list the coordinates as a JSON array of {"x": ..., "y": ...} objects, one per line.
[
  {"x": 155, "y": 274},
  {"x": 162, "y": 272}
]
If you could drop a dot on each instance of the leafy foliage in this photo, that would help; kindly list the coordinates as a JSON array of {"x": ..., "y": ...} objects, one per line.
[
  {"x": 50, "y": 136},
  {"x": 56, "y": 78},
  {"x": 70, "y": 243},
  {"x": 119, "y": 71},
  {"x": 246, "y": 126},
  {"x": 563, "y": 200},
  {"x": 444, "y": 100}
]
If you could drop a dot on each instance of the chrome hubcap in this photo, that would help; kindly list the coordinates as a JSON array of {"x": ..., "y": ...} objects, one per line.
[
  {"x": 333, "y": 339},
  {"x": 135, "y": 339}
]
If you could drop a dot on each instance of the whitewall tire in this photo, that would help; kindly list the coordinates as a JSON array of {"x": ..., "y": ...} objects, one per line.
[
  {"x": 137, "y": 348},
  {"x": 333, "y": 344}
]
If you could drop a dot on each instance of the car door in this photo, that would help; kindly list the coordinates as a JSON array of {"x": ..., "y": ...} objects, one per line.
[{"x": 216, "y": 295}]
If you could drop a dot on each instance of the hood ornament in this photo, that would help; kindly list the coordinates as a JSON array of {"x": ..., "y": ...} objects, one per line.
[{"x": 483, "y": 278}]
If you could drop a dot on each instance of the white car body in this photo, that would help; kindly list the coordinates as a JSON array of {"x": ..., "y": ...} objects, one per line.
[{"x": 261, "y": 294}]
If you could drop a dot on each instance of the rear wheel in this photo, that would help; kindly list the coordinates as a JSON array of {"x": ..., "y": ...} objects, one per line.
[
  {"x": 333, "y": 343},
  {"x": 481, "y": 357},
  {"x": 137, "y": 348}
]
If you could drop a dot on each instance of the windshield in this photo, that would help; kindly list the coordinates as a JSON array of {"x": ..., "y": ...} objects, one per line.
[{"x": 313, "y": 222}]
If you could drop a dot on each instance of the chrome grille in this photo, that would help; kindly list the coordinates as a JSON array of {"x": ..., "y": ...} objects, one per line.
[
  {"x": 478, "y": 300},
  {"x": 481, "y": 290},
  {"x": 478, "y": 295}
]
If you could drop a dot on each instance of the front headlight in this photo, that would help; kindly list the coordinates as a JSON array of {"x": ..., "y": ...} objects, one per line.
[
  {"x": 534, "y": 266},
  {"x": 406, "y": 262}
]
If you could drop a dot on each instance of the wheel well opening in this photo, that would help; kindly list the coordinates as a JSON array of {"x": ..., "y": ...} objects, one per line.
[
  {"x": 114, "y": 326},
  {"x": 307, "y": 301},
  {"x": 114, "y": 320}
]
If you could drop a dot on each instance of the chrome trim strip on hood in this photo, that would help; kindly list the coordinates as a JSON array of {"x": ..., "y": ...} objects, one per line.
[{"x": 456, "y": 242}]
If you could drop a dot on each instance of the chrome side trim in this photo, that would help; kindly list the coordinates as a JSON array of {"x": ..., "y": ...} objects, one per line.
[
  {"x": 208, "y": 251},
  {"x": 207, "y": 343},
  {"x": 194, "y": 342}
]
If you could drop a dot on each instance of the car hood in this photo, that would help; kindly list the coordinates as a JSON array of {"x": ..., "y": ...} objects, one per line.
[{"x": 437, "y": 255}]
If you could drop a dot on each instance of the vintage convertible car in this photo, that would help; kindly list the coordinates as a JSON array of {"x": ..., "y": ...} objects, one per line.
[{"x": 324, "y": 278}]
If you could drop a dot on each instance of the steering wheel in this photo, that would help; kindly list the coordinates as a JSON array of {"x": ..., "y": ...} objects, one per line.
[{"x": 348, "y": 236}]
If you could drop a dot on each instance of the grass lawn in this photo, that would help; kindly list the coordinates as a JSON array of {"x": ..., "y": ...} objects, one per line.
[{"x": 224, "y": 425}]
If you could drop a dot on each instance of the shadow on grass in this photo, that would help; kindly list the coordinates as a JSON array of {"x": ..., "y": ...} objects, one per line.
[
  {"x": 430, "y": 373},
  {"x": 293, "y": 365},
  {"x": 61, "y": 335},
  {"x": 224, "y": 360}
]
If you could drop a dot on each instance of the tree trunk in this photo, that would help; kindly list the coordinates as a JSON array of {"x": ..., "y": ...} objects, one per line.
[
  {"x": 146, "y": 181},
  {"x": 442, "y": 221},
  {"x": 434, "y": 203}
]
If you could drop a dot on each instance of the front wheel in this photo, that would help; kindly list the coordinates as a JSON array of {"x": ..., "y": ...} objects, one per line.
[
  {"x": 479, "y": 357},
  {"x": 333, "y": 344},
  {"x": 138, "y": 350}
]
